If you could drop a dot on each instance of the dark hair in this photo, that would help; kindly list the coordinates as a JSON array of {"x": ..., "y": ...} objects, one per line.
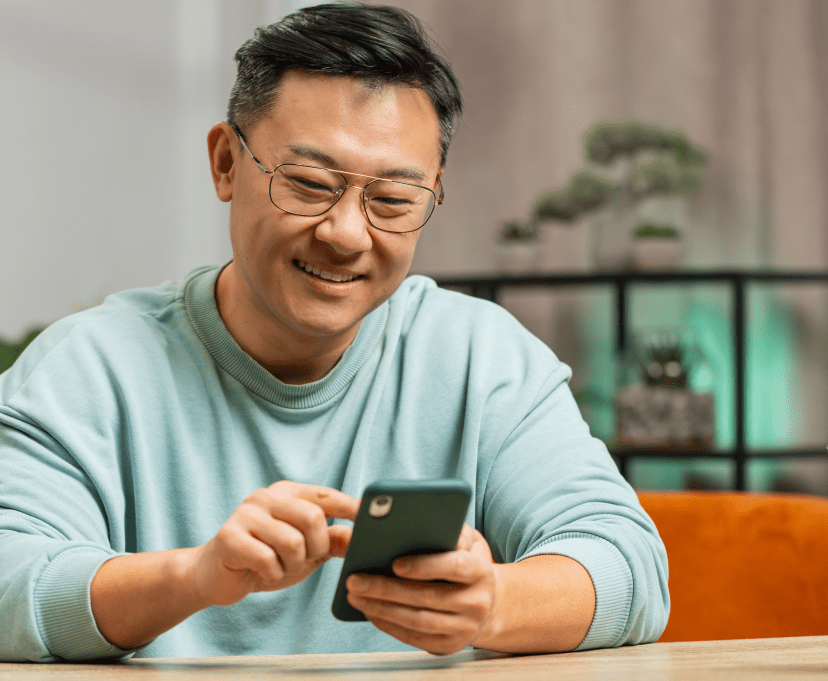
[{"x": 377, "y": 44}]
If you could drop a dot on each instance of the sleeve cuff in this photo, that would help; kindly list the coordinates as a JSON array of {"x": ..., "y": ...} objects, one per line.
[
  {"x": 63, "y": 609},
  {"x": 611, "y": 577}
]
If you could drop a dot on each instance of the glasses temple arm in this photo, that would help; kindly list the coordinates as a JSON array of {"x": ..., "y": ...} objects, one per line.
[{"x": 247, "y": 149}]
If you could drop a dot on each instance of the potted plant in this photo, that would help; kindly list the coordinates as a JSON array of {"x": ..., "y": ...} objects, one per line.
[
  {"x": 664, "y": 401},
  {"x": 656, "y": 246},
  {"x": 519, "y": 246},
  {"x": 630, "y": 164}
]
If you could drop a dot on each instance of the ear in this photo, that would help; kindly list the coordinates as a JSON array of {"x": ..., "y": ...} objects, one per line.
[{"x": 220, "y": 145}]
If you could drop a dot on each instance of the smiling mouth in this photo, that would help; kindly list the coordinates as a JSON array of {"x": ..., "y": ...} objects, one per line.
[{"x": 319, "y": 273}]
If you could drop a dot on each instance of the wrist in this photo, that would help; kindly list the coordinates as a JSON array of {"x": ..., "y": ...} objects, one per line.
[
  {"x": 545, "y": 605},
  {"x": 181, "y": 570},
  {"x": 493, "y": 626},
  {"x": 138, "y": 596}
]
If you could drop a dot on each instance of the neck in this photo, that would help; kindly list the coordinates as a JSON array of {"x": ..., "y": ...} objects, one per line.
[{"x": 292, "y": 357}]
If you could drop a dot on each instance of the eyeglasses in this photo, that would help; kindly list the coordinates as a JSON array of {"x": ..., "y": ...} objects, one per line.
[{"x": 390, "y": 205}]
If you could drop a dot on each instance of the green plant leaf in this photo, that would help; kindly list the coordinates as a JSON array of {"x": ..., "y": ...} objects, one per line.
[
  {"x": 10, "y": 351},
  {"x": 585, "y": 192}
]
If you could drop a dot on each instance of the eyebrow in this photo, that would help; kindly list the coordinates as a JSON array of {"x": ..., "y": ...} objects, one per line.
[{"x": 329, "y": 162}]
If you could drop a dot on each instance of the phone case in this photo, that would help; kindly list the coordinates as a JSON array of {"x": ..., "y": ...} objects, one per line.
[{"x": 425, "y": 516}]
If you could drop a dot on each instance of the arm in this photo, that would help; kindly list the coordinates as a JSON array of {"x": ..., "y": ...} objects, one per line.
[
  {"x": 274, "y": 540},
  {"x": 577, "y": 562}
]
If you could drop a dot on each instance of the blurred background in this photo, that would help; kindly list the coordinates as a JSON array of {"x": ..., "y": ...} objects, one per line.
[{"x": 105, "y": 183}]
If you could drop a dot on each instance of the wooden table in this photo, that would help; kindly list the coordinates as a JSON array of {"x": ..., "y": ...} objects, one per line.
[{"x": 755, "y": 660}]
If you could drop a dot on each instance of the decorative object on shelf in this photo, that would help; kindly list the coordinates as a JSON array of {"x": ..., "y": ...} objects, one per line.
[
  {"x": 519, "y": 246},
  {"x": 665, "y": 397},
  {"x": 656, "y": 247},
  {"x": 630, "y": 166}
]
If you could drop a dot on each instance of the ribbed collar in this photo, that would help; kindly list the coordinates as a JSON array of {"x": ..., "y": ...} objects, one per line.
[{"x": 200, "y": 303}]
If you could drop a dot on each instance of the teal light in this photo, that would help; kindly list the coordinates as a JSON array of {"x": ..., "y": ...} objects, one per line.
[{"x": 705, "y": 313}]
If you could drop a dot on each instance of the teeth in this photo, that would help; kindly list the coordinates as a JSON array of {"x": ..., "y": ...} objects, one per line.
[{"x": 324, "y": 274}]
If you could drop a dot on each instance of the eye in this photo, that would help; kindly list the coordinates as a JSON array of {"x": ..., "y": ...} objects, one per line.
[
  {"x": 310, "y": 184},
  {"x": 391, "y": 200}
]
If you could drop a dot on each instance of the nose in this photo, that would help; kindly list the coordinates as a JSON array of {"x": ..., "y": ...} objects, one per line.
[{"x": 345, "y": 225}]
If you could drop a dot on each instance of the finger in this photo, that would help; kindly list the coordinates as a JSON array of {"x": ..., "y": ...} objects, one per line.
[
  {"x": 458, "y": 567},
  {"x": 434, "y": 632},
  {"x": 285, "y": 540},
  {"x": 340, "y": 537},
  {"x": 436, "y": 644},
  {"x": 409, "y": 594},
  {"x": 242, "y": 551},
  {"x": 308, "y": 518},
  {"x": 334, "y": 503}
]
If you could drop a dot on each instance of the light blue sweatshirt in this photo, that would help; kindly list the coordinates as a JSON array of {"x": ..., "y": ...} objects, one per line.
[{"x": 140, "y": 425}]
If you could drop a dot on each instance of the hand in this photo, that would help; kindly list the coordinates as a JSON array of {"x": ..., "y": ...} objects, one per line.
[
  {"x": 439, "y": 618},
  {"x": 274, "y": 539}
]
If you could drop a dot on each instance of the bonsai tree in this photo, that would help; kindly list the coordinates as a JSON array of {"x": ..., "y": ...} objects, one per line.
[
  {"x": 628, "y": 161},
  {"x": 516, "y": 232}
]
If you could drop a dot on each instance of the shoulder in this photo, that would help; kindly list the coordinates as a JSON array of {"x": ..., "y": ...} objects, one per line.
[
  {"x": 124, "y": 326},
  {"x": 424, "y": 301},
  {"x": 442, "y": 322}
]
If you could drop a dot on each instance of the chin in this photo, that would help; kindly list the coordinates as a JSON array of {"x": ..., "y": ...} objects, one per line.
[{"x": 326, "y": 327}]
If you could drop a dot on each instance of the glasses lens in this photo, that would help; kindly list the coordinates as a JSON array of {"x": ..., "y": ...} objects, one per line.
[
  {"x": 303, "y": 190},
  {"x": 390, "y": 206},
  {"x": 398, "y": 207}
]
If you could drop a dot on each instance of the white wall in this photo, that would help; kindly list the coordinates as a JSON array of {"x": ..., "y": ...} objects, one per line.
[{"x": 104, "y": 181}]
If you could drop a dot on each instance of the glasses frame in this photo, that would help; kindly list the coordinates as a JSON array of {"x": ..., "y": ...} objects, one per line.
[{"x": 438, "y": 200}]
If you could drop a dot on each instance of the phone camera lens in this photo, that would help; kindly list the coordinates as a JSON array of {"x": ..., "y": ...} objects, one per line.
[{"x": 380, "y": 506}]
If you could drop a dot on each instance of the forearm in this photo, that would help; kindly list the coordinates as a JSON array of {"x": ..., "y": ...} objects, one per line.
[
  {"x": 546, "y": 604},
  {"x": 137, "y": 597}
]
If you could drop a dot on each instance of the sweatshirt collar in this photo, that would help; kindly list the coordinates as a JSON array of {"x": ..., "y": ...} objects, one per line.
[{"x": 200, "y": 303}]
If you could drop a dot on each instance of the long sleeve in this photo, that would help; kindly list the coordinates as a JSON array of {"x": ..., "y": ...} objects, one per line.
[
  {"x": 554, "y": 489},
  {"x": 141, "y": 425},
  {"x": 53, "y": 538}
]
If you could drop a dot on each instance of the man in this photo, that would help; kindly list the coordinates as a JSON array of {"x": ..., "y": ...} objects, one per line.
[{"x": 170, "y": 461}]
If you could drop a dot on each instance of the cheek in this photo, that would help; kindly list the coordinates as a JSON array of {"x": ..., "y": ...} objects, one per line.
[
  {"x": 399, "y": 250},
  {"x": 253, "y": 231},
  {"x": 408, "y": 252}
]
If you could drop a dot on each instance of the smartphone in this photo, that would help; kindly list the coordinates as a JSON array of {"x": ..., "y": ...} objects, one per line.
[{"x": 401, "y": 518}]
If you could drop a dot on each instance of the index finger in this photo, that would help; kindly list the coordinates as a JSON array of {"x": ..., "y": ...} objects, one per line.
[{"x": 334, "y": 504}]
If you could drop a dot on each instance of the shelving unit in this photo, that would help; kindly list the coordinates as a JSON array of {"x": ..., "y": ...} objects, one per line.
[{"x": 738, "y": 281}]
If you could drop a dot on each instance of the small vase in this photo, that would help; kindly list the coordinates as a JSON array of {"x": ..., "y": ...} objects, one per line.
[
  {"x": 611, "y": 249},
  {"x": 656, "y": 255},
  {"x": 517, "y": 257}
]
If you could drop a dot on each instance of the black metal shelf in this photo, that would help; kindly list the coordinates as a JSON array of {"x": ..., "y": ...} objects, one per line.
[{"x": 488, "y": 287}]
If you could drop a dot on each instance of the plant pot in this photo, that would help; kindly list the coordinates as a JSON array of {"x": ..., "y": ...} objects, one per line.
[
  {"x": 611, "y": 248},
  {"x": 657, "y": 255},
  {"x": 518, "y": 256}
]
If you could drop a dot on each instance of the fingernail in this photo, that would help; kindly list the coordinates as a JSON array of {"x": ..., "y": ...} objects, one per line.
[
  {"x": 402, "y": 567},
  {"x": 357, "y": 583}
]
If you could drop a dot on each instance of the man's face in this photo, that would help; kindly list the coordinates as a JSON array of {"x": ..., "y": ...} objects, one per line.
[{"x": 339, "y": 123}]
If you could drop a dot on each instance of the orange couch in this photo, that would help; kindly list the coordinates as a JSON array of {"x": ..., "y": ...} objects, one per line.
[{"x": 743, "y": 565}]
